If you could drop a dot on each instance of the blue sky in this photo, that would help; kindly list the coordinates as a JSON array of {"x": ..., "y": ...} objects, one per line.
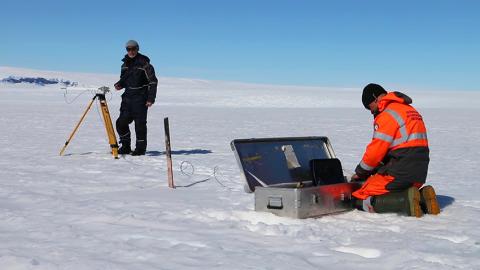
[{"x": 416, "y": 44}]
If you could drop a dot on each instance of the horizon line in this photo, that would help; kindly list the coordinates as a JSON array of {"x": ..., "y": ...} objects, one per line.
[{"x": 396, "y": 88}]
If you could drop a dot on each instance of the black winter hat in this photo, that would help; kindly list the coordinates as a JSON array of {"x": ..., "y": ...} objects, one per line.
[{"x": 370, "y": 93}]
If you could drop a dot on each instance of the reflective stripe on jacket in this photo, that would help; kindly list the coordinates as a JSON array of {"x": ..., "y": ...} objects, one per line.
[{"x": 399, "y": 146}]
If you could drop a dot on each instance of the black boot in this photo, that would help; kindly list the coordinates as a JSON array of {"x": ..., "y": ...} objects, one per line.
[
  {"x": 428, "y": 201},
  {"x": 125, "y": 141},
  {"x": 140, "y": 148},
  {"x": 138, "y": 152},
  {"x": 124, "y": 150},
  {"x": 405, "y": 202}
]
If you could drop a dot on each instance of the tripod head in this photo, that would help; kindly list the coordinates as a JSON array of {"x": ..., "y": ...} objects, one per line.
[{"x": 102, "y": 90}]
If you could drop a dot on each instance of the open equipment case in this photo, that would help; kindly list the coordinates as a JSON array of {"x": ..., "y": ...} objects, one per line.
[{"x": 296, "y": 177}]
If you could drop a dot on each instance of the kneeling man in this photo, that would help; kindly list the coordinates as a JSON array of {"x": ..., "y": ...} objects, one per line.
[{"x": 395, "y": 163}]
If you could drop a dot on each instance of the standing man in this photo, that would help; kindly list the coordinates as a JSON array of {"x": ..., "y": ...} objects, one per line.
[
  {"x": 138, "y": 79},
  {"x": 395, "y": 163}
]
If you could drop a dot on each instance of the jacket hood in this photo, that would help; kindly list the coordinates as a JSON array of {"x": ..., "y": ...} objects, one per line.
[{"x": 393, "y": 97}]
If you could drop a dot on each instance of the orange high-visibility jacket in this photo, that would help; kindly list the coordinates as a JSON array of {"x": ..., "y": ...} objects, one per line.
[{"x": 399, "y": 146}]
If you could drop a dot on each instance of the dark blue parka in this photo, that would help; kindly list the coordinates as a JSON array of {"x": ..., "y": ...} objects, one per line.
[{"x": 138, "y": 77}]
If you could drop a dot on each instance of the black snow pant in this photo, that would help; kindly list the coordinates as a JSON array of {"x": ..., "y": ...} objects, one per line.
[{"x": 133, "y": 108}]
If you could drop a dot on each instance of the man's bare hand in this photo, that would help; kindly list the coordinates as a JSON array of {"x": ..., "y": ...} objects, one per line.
[{"x": 149, "y": 104}]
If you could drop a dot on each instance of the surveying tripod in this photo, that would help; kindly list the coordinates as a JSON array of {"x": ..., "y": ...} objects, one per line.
[{"x": 112, "y": 139}]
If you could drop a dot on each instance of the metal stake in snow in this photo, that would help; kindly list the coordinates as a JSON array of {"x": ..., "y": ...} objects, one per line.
[{"x": 168, "y": 153}]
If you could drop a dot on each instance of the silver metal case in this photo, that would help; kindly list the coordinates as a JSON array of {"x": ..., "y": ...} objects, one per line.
[{"x": 278, "y": 171}]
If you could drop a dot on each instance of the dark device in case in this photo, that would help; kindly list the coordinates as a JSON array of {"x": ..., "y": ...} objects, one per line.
[{"x": 327, "y": 171}]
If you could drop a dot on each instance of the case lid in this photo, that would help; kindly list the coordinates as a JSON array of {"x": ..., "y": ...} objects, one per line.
[{"x": 279, "y": 161}]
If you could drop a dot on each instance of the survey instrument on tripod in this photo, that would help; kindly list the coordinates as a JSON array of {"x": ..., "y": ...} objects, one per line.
[{"x": 99, "y": 95}]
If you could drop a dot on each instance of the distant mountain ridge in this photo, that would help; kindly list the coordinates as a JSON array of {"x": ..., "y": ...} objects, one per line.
[
  {"x": 100, "y": 79},
  {"x": 15, "y": 77},
  {"x": 37, "y": 81}
]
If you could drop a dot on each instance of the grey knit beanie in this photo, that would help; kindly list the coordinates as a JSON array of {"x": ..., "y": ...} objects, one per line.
[{"x": 132, "y": 43}]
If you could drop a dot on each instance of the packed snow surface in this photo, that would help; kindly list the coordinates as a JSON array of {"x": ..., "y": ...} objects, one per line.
[{"x": 86, "y": 210}]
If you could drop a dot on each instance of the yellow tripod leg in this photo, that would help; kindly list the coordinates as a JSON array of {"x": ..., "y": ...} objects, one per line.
[
  {"x": 77, "y": 126},
  {"x": 112, "y": 139}
]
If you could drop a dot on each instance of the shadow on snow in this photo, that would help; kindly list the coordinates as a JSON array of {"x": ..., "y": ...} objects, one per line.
[
  {"x": 156, "y": 153},
  {"x": 444, "y": 201},
  {"x": 180, "y": 152}
]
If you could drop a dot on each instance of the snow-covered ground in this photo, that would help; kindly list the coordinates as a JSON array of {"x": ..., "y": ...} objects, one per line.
[{"x": 86, "y": 210}]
